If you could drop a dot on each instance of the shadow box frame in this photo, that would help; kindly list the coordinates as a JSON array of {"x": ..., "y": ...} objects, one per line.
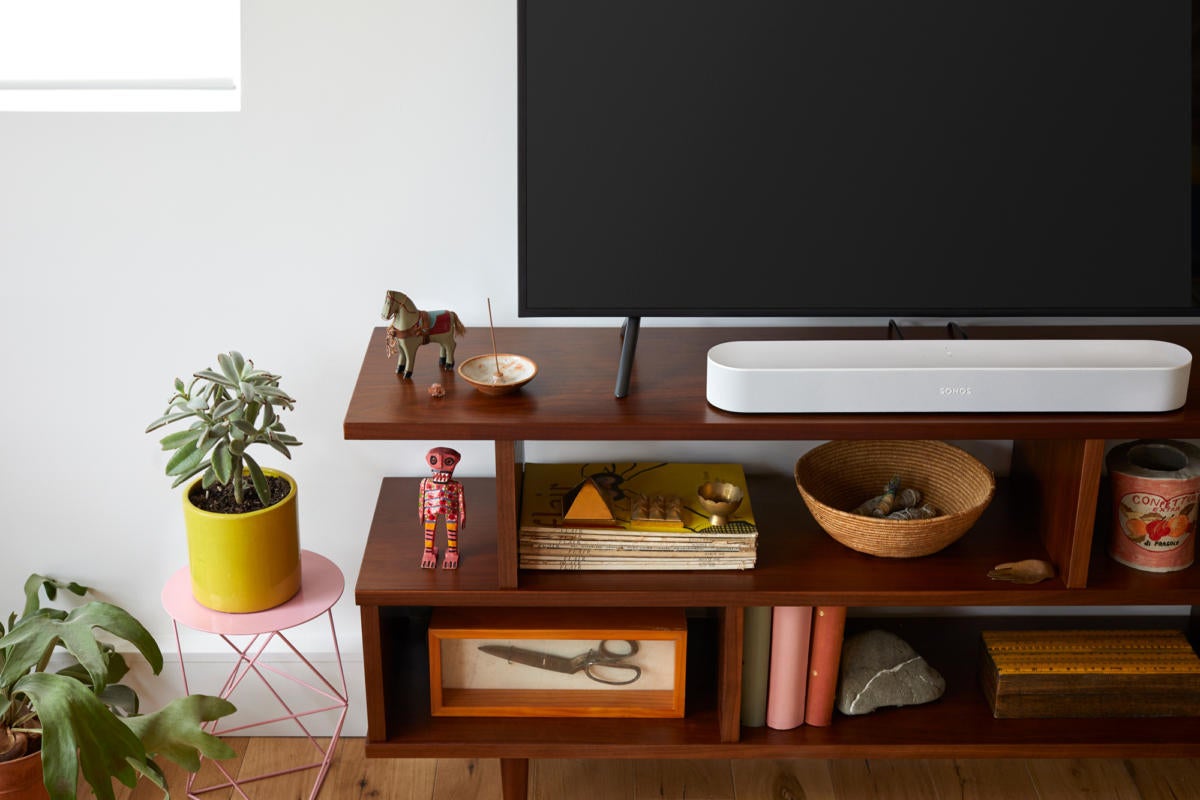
[{"x": 532, "y": 628}]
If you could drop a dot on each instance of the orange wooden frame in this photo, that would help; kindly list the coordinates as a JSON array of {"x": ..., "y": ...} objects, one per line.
[{"x": 533, "y": 625}]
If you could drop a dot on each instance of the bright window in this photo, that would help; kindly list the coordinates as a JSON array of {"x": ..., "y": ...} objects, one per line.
[{"x": 120, "y": 55}]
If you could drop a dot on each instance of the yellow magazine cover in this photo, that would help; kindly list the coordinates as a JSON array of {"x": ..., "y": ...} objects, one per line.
[{"x": 645, "y": 496}]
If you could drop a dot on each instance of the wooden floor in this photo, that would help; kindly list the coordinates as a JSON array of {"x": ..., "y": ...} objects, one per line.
[{"x": 353, "y": 777}]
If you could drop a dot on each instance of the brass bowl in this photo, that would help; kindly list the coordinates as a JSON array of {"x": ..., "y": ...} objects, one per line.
[
  {"x": 720, "y": 499},
  {"x": 515, "y": 372}
]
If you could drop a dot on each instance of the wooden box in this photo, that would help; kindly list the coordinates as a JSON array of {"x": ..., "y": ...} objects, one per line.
[
  {"x": 1082, "y": 673},
  {"x": 556, "y": 662}
]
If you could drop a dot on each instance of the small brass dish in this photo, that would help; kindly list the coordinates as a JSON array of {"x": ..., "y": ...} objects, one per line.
[
  {"x": 720, "y": 500},
  {"x": 513, "y": 372}
]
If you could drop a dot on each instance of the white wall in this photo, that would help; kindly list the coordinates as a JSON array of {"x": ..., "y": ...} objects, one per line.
[{"x": 376, "y": 149}]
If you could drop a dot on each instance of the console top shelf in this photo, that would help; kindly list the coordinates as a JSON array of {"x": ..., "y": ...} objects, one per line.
[{"x": 572, "y": 396}]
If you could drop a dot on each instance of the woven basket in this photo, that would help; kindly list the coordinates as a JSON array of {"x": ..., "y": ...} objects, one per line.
[{"x": 840, "y": 475}]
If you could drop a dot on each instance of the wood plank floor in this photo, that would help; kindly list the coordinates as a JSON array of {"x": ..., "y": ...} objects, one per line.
[{"x": 354, "y": 777}]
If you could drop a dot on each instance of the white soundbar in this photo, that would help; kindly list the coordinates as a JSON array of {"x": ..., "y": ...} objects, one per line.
[{"x": 947, "y": 376}]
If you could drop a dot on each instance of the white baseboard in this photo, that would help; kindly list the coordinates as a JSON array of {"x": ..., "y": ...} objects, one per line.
[{"x": 207, "y": 672}]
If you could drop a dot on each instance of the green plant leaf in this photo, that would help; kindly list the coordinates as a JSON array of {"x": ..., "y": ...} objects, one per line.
[
  {"x": 216, "y": 379},
  {"x": 182, "y": 479},
  {"x": 245, "y": 427},
  {"x": 249, "y": 391},
  {"x": 227, "y": 407},
  {"x": 35, "y": 583},
  {"x": 180, "y": 438},
  {"x": 117, "y": 668},
  {"x": 239, "y": 363},
  {"x": 79, "y": 735},
  {"x": 175, "y": 731},
  {"x": 281, "y": 447},
  {"x": 36, "y": 636},
  {"x": 167, "y": 419},
  {"x": 229, "y": 369},
  {"x": 185, "y": 459},
  {"x": 222, "y": 462},
  {"x": 259, "y": 480}
]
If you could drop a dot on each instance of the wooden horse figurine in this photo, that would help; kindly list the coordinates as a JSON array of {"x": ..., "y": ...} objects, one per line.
[{"x": 409, "y": 328}]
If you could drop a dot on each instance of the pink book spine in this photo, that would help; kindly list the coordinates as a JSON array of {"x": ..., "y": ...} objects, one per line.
[
  {"x": 791, "y": 629},
  {"x": 828, "y": 628}
]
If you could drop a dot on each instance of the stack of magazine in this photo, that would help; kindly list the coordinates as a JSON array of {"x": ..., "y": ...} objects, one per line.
[{"x": 632, "y": 516}]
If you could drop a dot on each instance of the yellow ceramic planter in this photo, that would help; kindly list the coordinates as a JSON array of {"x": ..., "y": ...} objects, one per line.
[{"x": 244, "y": 562}]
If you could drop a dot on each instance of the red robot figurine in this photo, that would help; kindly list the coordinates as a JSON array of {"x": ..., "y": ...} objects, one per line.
[{"x": 441, "y": 495}]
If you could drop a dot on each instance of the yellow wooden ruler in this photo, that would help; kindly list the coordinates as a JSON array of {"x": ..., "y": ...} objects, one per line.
[{"x": 1154, "y": 652}]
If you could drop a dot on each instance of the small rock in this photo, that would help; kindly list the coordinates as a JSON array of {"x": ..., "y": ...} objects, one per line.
[{"x": 879, "y": 669}]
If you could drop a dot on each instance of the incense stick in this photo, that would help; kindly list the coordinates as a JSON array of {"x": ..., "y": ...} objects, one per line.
[{"x": 492, "y": 328}]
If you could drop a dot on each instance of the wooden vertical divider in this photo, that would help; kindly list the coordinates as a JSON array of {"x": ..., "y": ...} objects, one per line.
[
  {"x": 514, "y": 778},
  {"x": 509, "y": 457},
  {"x": 373, "y": 670},
  {"x": 1063, "y": 477},
  {"x": 729, "y": 674}
]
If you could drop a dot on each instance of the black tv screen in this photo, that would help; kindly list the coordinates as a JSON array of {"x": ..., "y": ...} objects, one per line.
[{"x": 855, "y": 157}]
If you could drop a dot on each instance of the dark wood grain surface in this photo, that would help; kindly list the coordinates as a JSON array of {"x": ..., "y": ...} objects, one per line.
[
  {"x": 572, "y": 395},
  {"x": 1055, "y": 507},
  {"x": 798, "y": 564}
]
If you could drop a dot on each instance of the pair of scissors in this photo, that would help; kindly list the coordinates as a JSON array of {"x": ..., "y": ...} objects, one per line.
[{"x": 603, "y": 665}]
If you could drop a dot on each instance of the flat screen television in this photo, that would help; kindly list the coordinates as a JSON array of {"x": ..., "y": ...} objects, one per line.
[{"x": 863, "y": 158}]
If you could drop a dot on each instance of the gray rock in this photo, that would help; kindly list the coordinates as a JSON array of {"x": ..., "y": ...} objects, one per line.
[{"x": 880, "y": 669}]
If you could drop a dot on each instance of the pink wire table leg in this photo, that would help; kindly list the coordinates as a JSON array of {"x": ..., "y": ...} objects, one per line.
[{"x": 322, "y": 585}]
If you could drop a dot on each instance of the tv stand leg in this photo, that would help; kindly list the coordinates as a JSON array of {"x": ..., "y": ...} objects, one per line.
[
  {"x": 514, "y": 778},
  {"x": 629, "y": 335}
]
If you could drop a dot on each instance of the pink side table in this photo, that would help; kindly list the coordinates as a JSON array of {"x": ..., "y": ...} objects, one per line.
[{"x": 321, "y": 585}]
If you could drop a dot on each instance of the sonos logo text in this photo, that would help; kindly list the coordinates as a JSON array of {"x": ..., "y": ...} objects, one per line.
[{"x": 954, "y": 391}]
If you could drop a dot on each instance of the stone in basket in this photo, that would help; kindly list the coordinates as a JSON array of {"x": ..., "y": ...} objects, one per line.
[{"x": 837, "y": 476}]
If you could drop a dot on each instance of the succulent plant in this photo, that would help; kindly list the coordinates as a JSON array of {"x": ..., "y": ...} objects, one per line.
[{"x": 230, "y": 410}]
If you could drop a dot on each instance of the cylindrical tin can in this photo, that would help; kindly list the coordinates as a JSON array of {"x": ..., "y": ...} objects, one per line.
[{"x": 1155, "y": 484}]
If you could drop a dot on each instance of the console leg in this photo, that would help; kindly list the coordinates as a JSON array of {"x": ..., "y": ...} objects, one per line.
[
  {"x": 514, "y": 778},
  {"x": 629, "y": 333}
]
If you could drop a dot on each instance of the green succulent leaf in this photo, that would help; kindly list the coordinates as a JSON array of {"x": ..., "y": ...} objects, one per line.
[
  {"x": 228, "y": 407},
  {"x": 166, "y": 419},
  {"x": 173, "y": 441},
  {"x": 225, "y": 406},
  {"x": 185, "y": 460},
  {"x": 222, "y": 462},
  {"x": 229, "y": 369},
  {"x": 245, "y": 427},
  {"x": 259, "y": 480},
  {"x": 216, "y": 379},
  {"x": 280, "y": 447},
  {"x": 182, "y": 479}
]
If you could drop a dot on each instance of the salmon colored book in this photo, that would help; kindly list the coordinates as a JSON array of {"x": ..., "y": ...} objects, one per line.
[
  {"x": 825, "y": 655},
  {"x": 791, "y": 630}
]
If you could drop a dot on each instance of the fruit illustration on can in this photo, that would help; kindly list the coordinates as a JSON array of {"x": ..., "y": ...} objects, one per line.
[
  {"x": 1155, "y": 488},
  {"x": 1158, "y": 530}
]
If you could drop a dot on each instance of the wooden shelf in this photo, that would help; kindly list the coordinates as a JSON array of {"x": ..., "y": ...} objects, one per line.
[
  {"x": 798, "y": 564},
  {"x": 1053, "y": 506},
  {"x": 959, "y": 725},
  {"x": 572, "y": 396}
]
